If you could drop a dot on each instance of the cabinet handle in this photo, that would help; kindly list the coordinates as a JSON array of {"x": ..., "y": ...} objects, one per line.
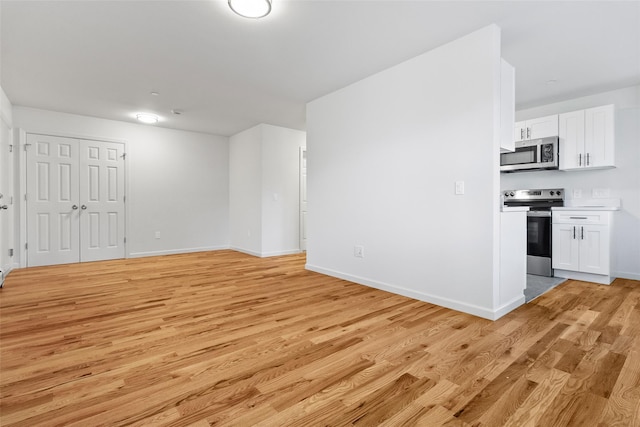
[
  {"x": 522, "y": 133},
  {"x": 578, "y": 217},
  {"x": 574, "y": 232},
  {"x": 581, "y": 233},
  {"x": 587, "y": 159},
  {"x": 580, "y": 159},
  {"x": 528, "y": 133}
]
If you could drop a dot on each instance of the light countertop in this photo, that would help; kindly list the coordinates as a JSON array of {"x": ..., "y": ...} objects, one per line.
[{"x": 586, "y": 208}]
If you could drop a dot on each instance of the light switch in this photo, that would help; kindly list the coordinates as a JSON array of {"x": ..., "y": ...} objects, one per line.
[{"x": 459, "y": 187}]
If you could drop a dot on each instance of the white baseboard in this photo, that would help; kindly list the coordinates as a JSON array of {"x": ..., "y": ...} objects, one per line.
[
  {"x": 508, "y": 307},
  {"x": 433, "y": 299},
  {"x": 265, "y": 254},
  {"x": 176, "y": 251},
  {"x": 627, "y": 275},
  {"x": 4, "y": 272},
  {"x": 585, "y": 277}
]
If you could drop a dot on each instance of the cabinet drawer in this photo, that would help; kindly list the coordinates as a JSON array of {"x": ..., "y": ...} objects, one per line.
[{"x": 581, "y": 217}]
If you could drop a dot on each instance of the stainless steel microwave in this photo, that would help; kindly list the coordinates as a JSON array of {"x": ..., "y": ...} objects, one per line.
[{"x": 532, "y": 154}]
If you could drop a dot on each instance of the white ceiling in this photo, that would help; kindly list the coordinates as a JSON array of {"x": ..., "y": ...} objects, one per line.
[{"x": 226, "y": 73}]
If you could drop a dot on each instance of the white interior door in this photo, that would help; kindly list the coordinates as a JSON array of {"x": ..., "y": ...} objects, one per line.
[
  {"x": 102, "y": 200},
  {"x": 303, "y": 198},
  {"x": 52, "y": 200},
  {"x": 75, "y": 200}
]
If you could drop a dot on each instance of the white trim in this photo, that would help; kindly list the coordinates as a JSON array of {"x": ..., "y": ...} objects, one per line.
[
  {"x": 444, "y": 302},
  {"x": 245, "y": 251},
  {"x": 22, "y": 204},
  {"x": 176, "y": 251},
  {"x": 508, "y": 307},
  {"x": 586, "y": 277},
  {"x": 78, "y": 136},
  {"x": 626, "y": 275},
  {"x": 280, "y": 253},
  {"x": 265, "y": 254},
  {"x": 6, "y": 271}
]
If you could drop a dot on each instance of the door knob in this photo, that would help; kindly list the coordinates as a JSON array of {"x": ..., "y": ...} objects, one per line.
[
  {"x": 83, "y": 207},
  {"x": 4, "y": 207},
  {"x": 74, "y": 207}
]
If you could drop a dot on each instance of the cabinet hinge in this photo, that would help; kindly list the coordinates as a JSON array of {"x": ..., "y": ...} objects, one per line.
[
  {"x": 25, "y": 146},
  {"x": 25, "y": 197},
  {"x": 26, "y": 246},
  {"x": 10, "y": 148},
  {"x": 124, "y": 155},
  {"x": 125, "y": 240}
]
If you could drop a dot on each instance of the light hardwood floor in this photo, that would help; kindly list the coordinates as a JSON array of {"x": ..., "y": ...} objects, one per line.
[{"x": 223, "y": 338}]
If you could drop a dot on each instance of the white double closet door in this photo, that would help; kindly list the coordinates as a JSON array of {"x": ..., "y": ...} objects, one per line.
[{"x": 75, "y": 200}]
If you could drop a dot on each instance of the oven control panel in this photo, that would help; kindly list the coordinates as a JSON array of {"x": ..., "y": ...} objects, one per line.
[{"x": 534, "y": 195}]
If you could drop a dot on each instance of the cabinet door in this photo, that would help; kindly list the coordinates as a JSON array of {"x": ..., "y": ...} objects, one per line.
[
  {"x": 599, "y": 136},
  {"x": 594, "y": 249},
  {"x": 542, "y": 127},
  {"x": 520, "y": 131},
  {"x": 565, "y": 247},
  {"x": 571, "y": 133}
]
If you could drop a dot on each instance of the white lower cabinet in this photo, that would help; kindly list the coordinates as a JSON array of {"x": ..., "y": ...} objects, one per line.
[{"x": 581, "y": 244}]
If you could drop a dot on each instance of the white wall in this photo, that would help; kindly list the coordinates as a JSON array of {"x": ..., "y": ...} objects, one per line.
[
  {"x": 622, "y": 181},
  {"x": 245, "y": 191},
  {"x": 383, "y": 157},
  {"x": 264, "y": 190},
  {"x": 178, "y": 182}
]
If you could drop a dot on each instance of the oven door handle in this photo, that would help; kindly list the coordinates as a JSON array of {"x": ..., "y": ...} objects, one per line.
[{"x": 539, "y": 214}]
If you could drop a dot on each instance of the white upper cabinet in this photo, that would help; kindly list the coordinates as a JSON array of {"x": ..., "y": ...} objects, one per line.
[
  {"x": 541, "y": 127},
  {"x": 599, "y": 136},
  {"x": 587, "y": 138},
  {"x": 507, "y": 106}
]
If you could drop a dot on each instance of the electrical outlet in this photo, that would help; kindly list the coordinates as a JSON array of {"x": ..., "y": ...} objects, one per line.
[
  {"x": 459, "y": 187},
  {"x": 600, "y": 193},
  {"x": 577, "y": 193},
  {"x": 358, "y": 251},
  {"x": 157, "y": 234}
]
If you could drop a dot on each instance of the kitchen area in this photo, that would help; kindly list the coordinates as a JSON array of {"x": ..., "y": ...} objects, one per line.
[{"x": 575, "y": 174}]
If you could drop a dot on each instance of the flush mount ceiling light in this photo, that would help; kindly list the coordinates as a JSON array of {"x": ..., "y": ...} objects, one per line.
[
  {"x": 251, "y": 8},
  {"x": 147, "y": 118}
]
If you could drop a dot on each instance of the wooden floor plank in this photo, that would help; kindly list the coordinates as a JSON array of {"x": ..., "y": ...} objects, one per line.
[{"x": 224, "y": 338}]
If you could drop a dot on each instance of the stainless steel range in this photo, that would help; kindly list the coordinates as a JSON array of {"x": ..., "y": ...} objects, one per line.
[{"x": 540, "y": 202}]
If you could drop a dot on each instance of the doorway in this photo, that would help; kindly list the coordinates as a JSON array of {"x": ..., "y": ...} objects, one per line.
[{"x": 75, "y": 200}]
